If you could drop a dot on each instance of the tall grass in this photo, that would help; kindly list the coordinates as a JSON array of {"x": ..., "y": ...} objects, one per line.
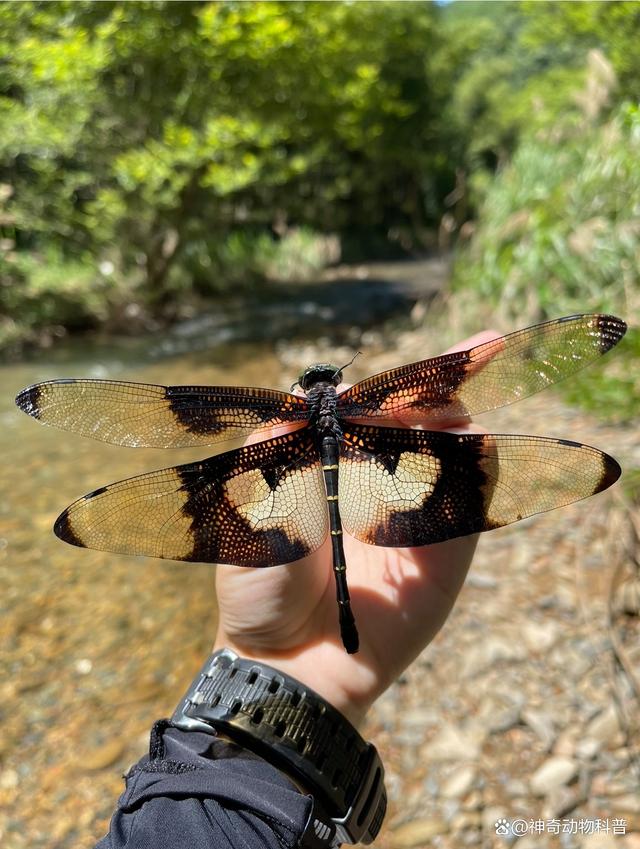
[
  {"x": 559, "y": 233},
  {"x": 560, "y": 227}
]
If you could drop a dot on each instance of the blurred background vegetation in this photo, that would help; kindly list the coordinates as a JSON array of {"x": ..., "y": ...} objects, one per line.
[{"x": 156, "y": 157}]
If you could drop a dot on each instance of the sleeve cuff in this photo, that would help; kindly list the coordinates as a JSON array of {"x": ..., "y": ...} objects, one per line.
[{"x": 195, "y": 790}]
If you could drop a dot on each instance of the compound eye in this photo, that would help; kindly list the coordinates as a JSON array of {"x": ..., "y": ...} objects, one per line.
[{"x": 303, "y": 380}]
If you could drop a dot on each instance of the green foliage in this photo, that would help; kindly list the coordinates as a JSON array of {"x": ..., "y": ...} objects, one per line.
[
  {"x": 248, "y": 257},
  {"x": 51, "y": 291},
  {"x": 631, "y": 485},
  {"x": 560, "y": 228},
  {"x": 138, "y": 128},
  {"x": 530, "y": 66},
  {"x": 559, "y": 233},
  {"x": 571, "y": 30},
  {"x": 201, "y": 147},
  {"x": 612, "y": 392},
  {"x": 299, "y": 255}
]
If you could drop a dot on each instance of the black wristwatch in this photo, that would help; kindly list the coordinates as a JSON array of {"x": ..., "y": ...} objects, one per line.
[{"x": 293, "y": 728}]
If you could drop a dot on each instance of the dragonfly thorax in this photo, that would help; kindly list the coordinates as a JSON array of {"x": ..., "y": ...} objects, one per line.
[{"x": 322, "y": 397}]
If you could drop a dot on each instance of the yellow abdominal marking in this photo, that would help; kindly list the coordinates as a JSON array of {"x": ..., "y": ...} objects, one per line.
[
  {"x": 327, "y": 468},
  {"x": 332, "y": 497}
]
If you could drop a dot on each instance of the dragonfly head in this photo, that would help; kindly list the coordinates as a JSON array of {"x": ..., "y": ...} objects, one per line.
[{"x": 320, "y": 373}]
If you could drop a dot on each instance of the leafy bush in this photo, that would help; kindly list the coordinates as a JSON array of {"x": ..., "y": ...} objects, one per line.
[
  {"x": 300, "y": 255},
  {"x": 612, "y": 392},
  {"x": 146, "y": 128},
  {"x": 245, "y": 258},
  {"x": 559, "y": 233},
  {"x": 49, "y": 290}
]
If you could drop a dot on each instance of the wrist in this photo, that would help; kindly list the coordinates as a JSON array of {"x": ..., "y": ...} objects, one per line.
[{"x": 319, "y": 667}]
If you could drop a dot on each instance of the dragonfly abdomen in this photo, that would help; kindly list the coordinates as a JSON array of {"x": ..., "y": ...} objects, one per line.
[{"x": 329, "y": 455}]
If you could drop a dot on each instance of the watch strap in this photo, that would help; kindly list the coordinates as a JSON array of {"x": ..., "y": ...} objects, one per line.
[{"x": 295, "y": 729}]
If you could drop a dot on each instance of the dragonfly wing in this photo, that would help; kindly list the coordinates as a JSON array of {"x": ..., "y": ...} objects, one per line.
[
  {"x": 147, "y": 415},
  {"x": 402, "y": 487},
  {"x": 486, "y": 377},
  {"x": 260, "y": 505}
]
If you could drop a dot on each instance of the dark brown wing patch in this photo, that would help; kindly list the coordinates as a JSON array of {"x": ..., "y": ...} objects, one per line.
[
  {"x": 412, "y": 487},
  {"x": 486, "y": 377},
  {"x": 146, "y": 415},
  {"x": 260, "y": 505}
]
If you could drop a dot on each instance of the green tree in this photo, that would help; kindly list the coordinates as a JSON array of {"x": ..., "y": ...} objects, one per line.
[
  {"x": 148, "y": 132},
  {"x": 524, "y": 67}
]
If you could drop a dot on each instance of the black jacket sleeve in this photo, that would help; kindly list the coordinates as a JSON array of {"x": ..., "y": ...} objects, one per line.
[{"x": 195, "y": 791}]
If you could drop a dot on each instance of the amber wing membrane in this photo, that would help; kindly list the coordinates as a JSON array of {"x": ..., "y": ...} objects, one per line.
[
  {"x": 260, "y": 505},
  {"x": 147, "y": 415},
  {"x": 416, "y": 487},
  {"x": 485, "y": 377}
]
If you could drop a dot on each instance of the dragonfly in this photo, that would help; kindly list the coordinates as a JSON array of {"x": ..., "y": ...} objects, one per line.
[{"x": 332, "y": 461}]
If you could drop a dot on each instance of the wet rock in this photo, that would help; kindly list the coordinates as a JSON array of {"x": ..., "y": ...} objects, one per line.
[
  {"x": 540, "y": 636},
  {"x": 102, "y": 756},
  {"x": 605, "y": 726},
  {"x": 542, "y": 724},
  {"x": 553, "y": 773},
  {"x": 459, "y": 783},
  {"x": 418, "y": 832}
]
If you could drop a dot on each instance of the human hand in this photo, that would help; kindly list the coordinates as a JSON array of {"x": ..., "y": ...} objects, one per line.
[{"x": 287, "y": 616}]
